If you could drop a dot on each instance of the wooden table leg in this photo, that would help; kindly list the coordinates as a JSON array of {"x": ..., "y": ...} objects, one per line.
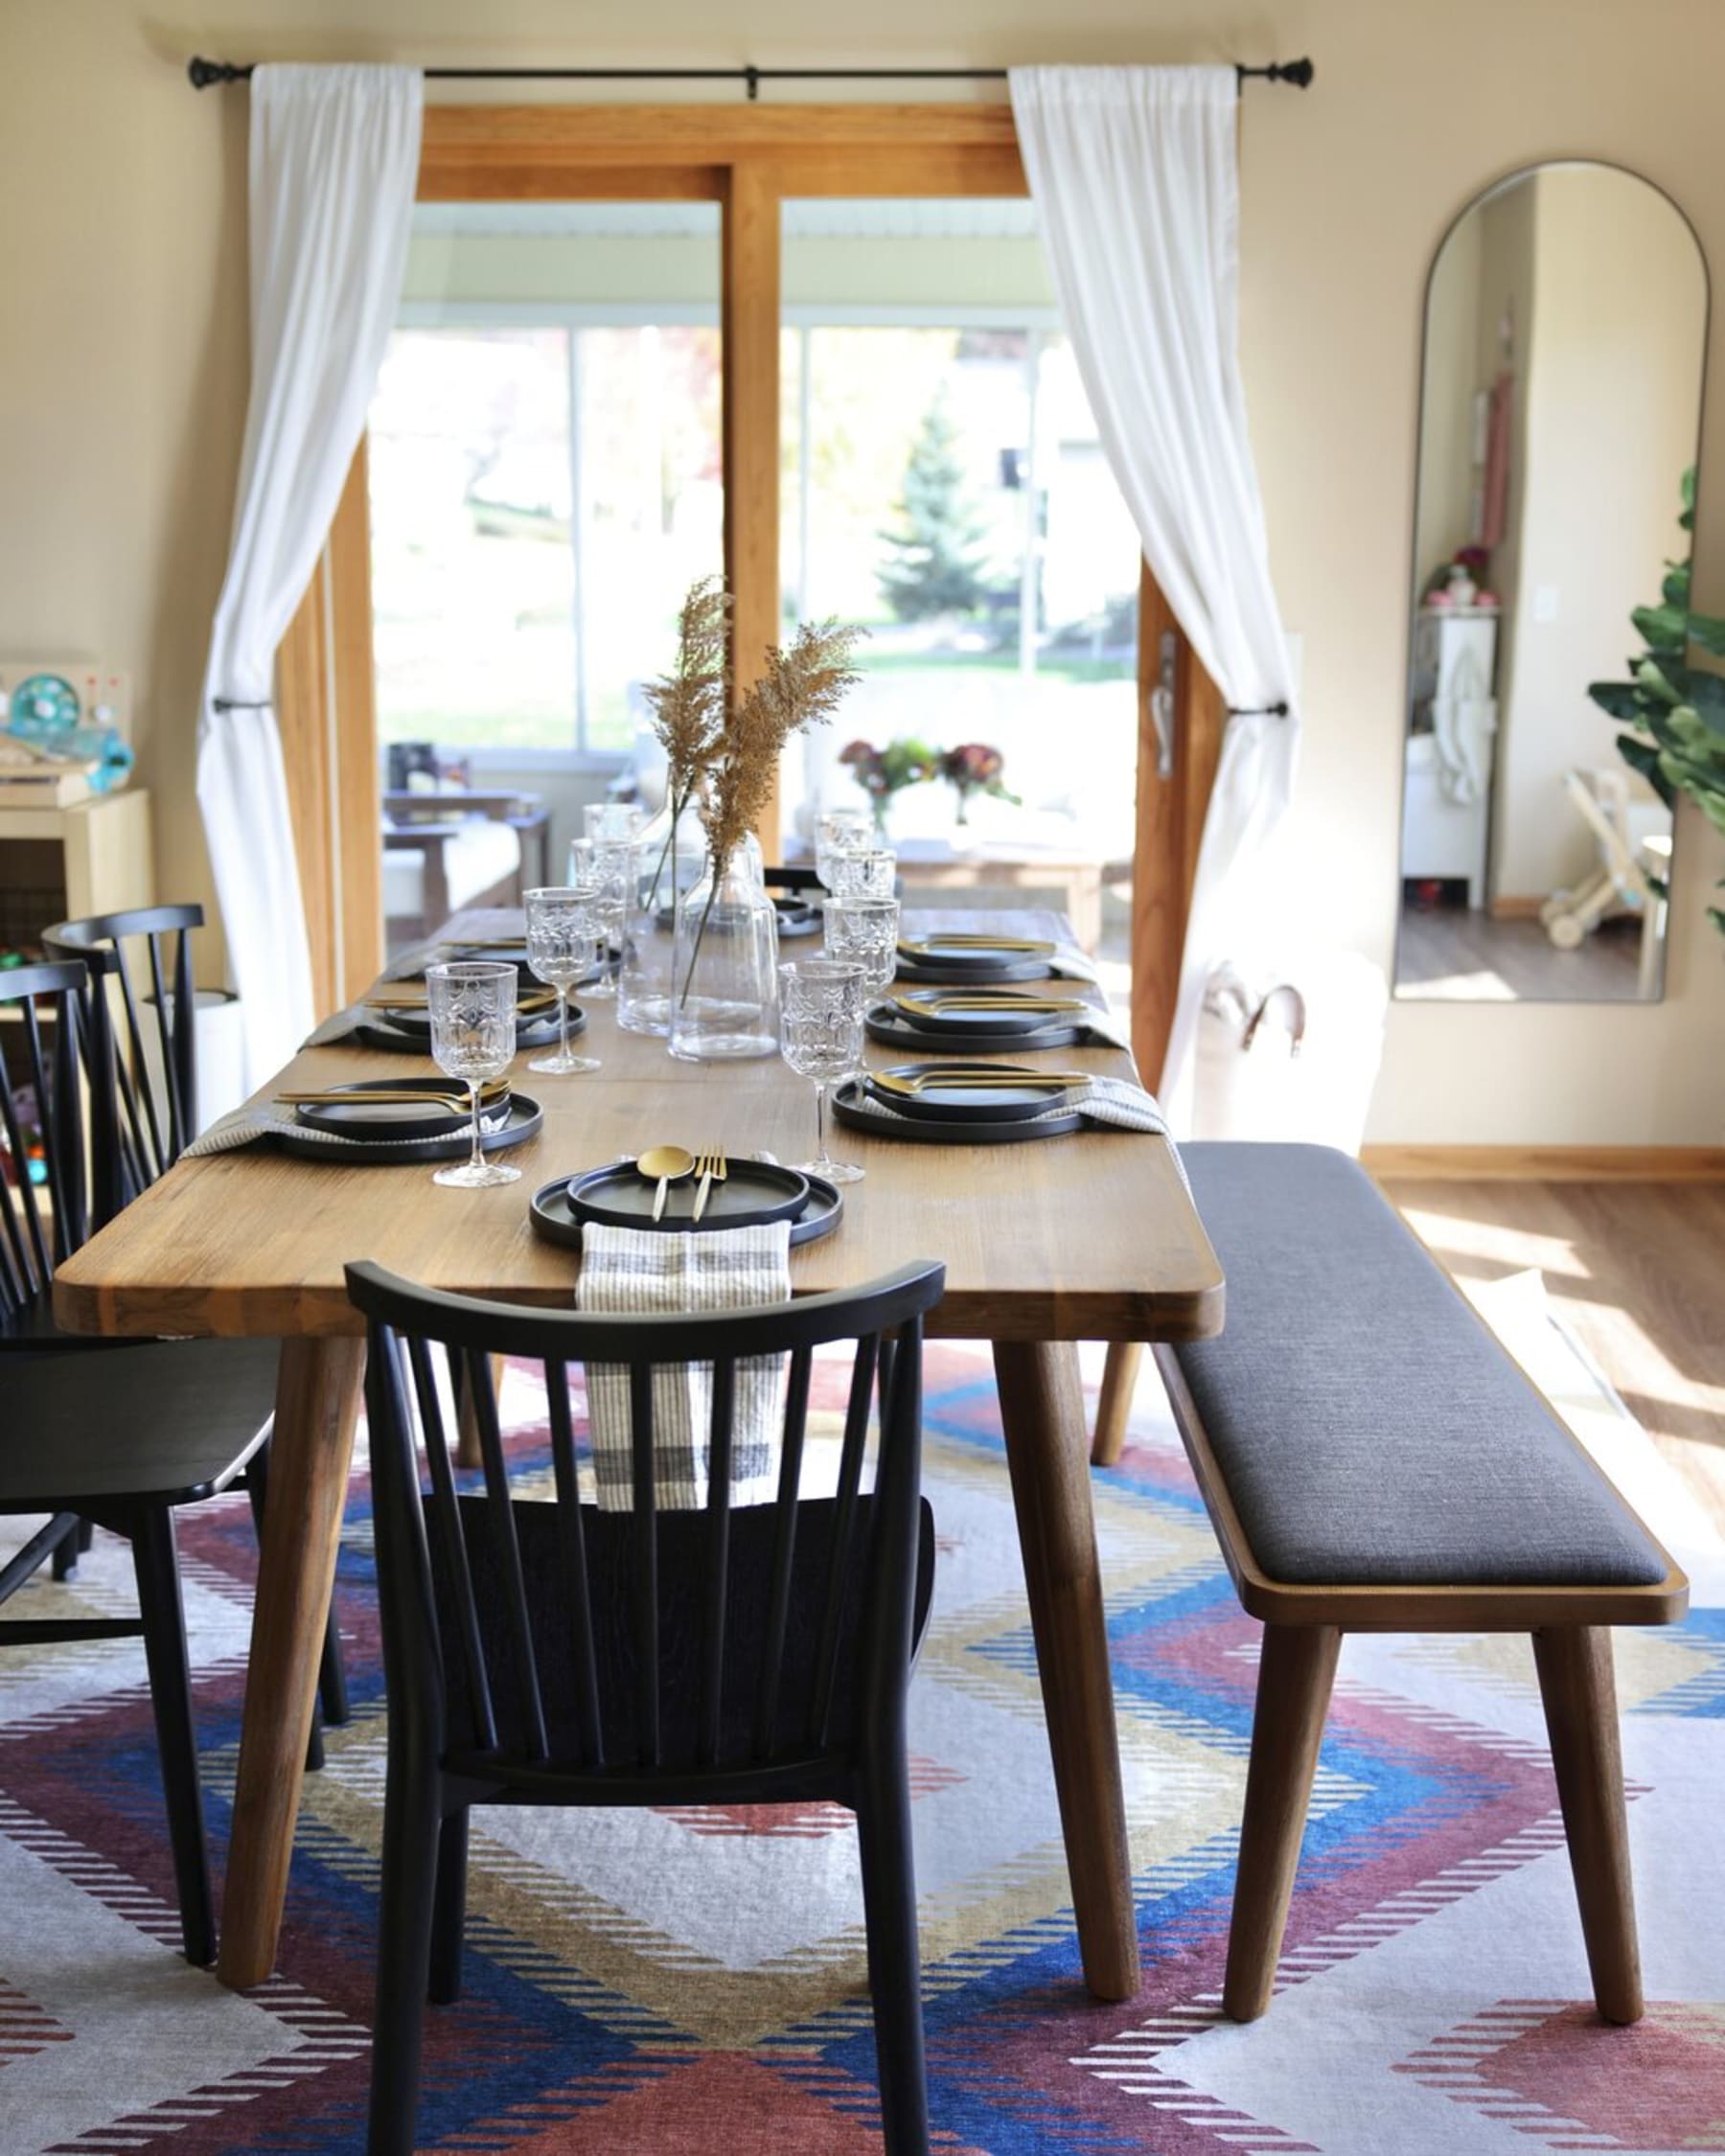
[
  {"x": 1042, "y": 1409},
  {"x": 1113, "y": 1410},
  {"x": 317, "y": 1402}
]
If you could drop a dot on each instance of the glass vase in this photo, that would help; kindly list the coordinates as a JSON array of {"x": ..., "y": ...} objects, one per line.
[
  {"x": 669, "y": 858},
  {"x": 724, "y": 994}
]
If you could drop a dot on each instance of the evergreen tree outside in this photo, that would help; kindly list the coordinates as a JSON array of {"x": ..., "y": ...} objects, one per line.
[{"x": 936, "y": 562}]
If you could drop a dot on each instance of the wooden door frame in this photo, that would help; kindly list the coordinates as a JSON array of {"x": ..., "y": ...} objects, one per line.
[{"x": 750, "y": 159}]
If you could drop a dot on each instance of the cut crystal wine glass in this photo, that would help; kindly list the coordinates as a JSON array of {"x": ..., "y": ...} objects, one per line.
[
  {"x": 472, "y": 1009},
  {"x": 820, "y": 1037},
  {"x": 563, "y": 925}
]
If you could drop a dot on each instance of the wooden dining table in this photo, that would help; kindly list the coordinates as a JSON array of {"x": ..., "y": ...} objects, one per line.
[{"x": 1091, "y": 1236}]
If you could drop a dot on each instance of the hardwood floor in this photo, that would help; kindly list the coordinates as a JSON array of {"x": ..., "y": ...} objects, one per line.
[
  {"x": 1456, "y": 956},
  {"x": 1637, "y": 1268}
]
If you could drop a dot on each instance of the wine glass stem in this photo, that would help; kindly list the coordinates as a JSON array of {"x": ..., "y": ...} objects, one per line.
[
  {"x": 476, "y": 1158},
  {"x": 562, "y": 1022},
  {"x": 821, "y": 1151}
]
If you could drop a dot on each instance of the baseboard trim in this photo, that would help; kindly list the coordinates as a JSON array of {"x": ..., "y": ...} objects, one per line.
[
  {"x": 1546, "y": 1163},
  {"x": 1517, "y": 906}
]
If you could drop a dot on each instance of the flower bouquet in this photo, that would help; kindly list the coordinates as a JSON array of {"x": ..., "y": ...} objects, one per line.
[{"x": 975, "y": 768}]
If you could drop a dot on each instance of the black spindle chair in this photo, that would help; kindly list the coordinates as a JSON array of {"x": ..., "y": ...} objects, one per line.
[
  {"x": 145, "y": 1049},
  {"x": 545, "y": 1652},
  {"x": 121, "y": 1436}
]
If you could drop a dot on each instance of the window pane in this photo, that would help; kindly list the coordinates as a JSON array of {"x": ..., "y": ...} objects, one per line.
[
  {"x": 546, "y": 469},
  {"x": 473, "y": 572},
  {"x": 945, "y": 487}
]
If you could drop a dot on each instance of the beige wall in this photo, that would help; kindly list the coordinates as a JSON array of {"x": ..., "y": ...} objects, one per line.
[
  {"x": 1612, "y": 355},
  {"x": 121, "y": 389}
]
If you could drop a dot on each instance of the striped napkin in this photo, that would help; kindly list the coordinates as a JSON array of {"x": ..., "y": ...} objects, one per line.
[
  {"x": 631, "y": 1271},
  {"x": 266, "y": 1119},
  {"x": 1113, "y": 1102}
]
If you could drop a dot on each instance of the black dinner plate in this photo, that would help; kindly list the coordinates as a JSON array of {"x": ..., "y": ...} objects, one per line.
[
  {"x": 523, "y": 1121},
  {"x": 752, "y": 1193},
  {"x": 1001, "y": 1016},
  {"x": 949, "y": 1097},
  {"x": 554, "y": 1218},
  {"x": 357, "y": 1117},
  {"x": 796, "y": 917},
  {"x": 964, "y": 956},
  {"x": 889, "y": 1026},
  {"x": 914, "y": 975},
  {"x": 912, "y": 1130},
  {"x": 381, "y": 1032}
]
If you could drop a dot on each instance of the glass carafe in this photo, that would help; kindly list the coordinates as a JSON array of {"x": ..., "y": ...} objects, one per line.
[
  {"x": 669, "y": 858},
  {"x": 725, "y": 994}
]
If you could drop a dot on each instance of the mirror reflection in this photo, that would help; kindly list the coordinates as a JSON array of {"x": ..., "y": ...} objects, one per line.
[{"x": 1560, "y": 408}]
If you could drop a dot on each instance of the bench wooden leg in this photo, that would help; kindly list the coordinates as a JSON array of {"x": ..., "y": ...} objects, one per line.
[
  {"x": 1295, "y": 1676},
  {"x": 1580, "y": 1708},
  {"x": 1119, "y": 1377}
]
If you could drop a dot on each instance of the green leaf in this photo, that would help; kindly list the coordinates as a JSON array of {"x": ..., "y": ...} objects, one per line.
[
  {"x": 1709, "y": 632},
  {"x": 1623, "y": 699},
  {"x": 1675, "y": 588},
  {"x": 1657, "y": 683},
  {"x": 1640, "y": 757},
  {"x": 1663, "y": 626},
  {"x": 1687, "y": 487}
]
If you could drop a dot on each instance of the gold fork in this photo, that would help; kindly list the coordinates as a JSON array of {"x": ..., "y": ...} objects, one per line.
[
  {"x": 980, "y": 1080},
  {"x": 710, "y": 1168},
  {"x": 436, "y": 1096}
]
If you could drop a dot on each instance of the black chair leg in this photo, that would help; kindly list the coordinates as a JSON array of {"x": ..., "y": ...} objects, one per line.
[
  {"x": 70, "y": 1547},
  {"x": 411, "y": 1823},
  {"x": 159, "y": 1605},
  {"x": 331, "y": 1676},
  {"x": 894, "y": 1961},
  {"x": 449, "y": 1910}
]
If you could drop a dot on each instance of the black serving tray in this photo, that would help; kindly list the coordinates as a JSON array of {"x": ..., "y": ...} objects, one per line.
[
  {"x": 752, "y": 1193},
  {"x": 893, "y": 1030},
  {"x": 554, "y": 1218},
  {"x": 526, "y": 1119},
  {"x": 387, "y": 1119},
  {"x": 915, "y": 1132}
]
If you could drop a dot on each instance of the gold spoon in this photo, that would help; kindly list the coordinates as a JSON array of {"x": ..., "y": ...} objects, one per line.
[{"x": 667, "y": 1164}]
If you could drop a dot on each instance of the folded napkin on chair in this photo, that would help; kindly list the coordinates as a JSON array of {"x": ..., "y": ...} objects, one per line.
[{"x": 634, "y": 1270}]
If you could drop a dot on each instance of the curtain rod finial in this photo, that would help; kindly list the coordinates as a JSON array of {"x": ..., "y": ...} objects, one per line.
[{"x": 204, "y": 74}]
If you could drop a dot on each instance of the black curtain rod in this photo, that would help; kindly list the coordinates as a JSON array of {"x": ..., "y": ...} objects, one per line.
[{"x": 204, "y": 74}]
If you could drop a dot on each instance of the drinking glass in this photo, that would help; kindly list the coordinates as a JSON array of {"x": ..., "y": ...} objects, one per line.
[
  {"x": 562, "y": 924},
  {"x": 863, "y": 871},
  {"x": 612, "y": 819},
  {"x": 820, "y": 1037},
  {"x": 472, "y": 1010},
  {"x": 865, "y": 932},
  {"x": 839, "y": 827},
  {"x": 609, "y": 881}
]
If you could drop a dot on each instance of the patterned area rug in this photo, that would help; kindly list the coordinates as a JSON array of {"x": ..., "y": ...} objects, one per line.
[{"x": 672, "y": 1982}]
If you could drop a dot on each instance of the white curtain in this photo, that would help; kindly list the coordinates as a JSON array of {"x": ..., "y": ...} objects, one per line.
[
  {"x": 1134, "y": 177},
  {"x": 334, "y": 156}
]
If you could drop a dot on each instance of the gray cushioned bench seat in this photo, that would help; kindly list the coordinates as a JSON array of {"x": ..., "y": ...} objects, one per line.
[{"x": 1369, "y": 1429}]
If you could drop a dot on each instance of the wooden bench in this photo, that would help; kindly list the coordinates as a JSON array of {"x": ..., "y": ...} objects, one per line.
[{"x": 1372, "y": 1461}]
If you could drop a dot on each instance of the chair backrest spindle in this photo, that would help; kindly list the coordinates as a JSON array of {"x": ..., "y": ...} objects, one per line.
[{"x": 724, "y": 1639}]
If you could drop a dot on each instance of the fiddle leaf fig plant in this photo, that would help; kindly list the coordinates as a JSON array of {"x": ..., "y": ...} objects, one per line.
[{"x": 1673, "y": 712}]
